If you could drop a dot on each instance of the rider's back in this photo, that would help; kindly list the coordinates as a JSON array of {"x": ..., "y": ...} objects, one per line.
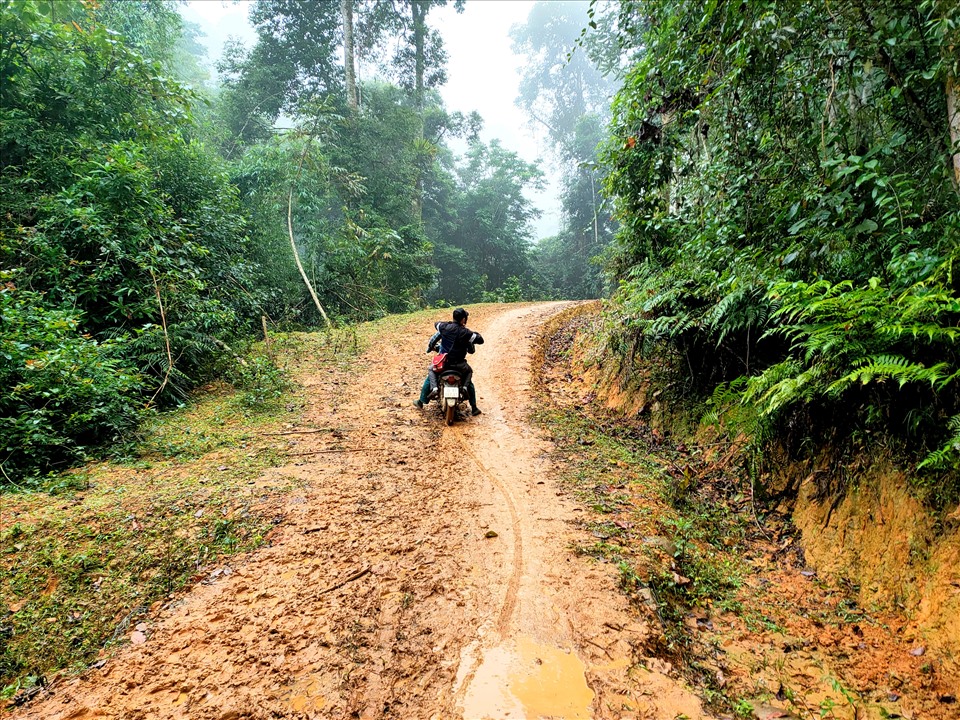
[{"x": 456, "y": 339}]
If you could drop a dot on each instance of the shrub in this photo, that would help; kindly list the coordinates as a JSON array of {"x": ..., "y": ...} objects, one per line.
[{"x": 63, "y": 392}]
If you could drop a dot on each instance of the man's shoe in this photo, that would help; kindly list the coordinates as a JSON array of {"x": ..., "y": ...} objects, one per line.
[
  {"x": 475, "y": 411},
  {"x": 417, "y": 404}
]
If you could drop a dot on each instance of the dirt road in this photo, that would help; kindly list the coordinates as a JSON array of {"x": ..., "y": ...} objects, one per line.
[{"x": 416, "y": 571}]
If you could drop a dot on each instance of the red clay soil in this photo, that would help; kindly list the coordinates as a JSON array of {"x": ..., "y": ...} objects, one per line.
[{"x": 420, "y": 572}]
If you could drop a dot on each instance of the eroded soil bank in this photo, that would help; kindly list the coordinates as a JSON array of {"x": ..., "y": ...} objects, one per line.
[
  {"x": 845, "y": 606},
  {"x": 414, "y": 571}
]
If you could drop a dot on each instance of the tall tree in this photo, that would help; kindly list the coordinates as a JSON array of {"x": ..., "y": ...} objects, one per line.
[
  {"x": 295, "y": 59},
  {"x": 560, "y": 83},
  {"x": 420, "y": 62},
  {"x": 567, "y": 98},
  {"x": 349, "y": 61},
  {"x": 950, "y": 42}
]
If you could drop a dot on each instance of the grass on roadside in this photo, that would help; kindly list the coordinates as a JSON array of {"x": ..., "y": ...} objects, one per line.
[
  {"x": 86, "y": 558},
  {"x": 81, "y": 566},
  {"x": 684, "y": 553}
]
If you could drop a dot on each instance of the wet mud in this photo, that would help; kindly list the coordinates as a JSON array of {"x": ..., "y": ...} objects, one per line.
[{"x": 418, "y": 571}]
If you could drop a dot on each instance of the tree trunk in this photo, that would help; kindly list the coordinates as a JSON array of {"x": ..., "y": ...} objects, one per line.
[
  {"x": 953, "y": 118},
  {"x": 418, "y": 10},
  {"x": 350, "y": 79},
  {"x": 419, "y": 41},
  {"x": 293, "y": 243},
  {"x": 296, "y": 257}
]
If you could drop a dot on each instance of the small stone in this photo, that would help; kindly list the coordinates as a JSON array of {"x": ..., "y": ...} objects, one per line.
[
  {"x": 661, "y": 543},
  {"x": 491, "y": 534}
]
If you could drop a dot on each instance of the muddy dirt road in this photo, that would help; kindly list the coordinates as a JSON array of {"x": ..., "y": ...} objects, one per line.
[{"x": 415, "y": 571}]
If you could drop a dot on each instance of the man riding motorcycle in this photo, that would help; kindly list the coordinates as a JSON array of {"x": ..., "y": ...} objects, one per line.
[{"x": 456, "y": 340}]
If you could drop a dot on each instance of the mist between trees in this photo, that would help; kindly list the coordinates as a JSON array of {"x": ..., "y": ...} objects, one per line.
[
  {"x": 153, "y": 223},
  {"x": 768, "y": 190}
]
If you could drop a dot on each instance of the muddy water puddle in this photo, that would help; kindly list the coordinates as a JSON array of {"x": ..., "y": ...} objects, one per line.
[{"x": 522, "y": 679}]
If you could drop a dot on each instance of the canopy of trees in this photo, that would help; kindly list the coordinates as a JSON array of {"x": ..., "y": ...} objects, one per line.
[
  {"x": 149, "y": 222},
  {"x": 121, "y": 237}
]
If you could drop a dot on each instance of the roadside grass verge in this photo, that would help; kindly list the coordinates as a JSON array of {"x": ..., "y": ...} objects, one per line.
[
  {"x": 675, "y": 540},
  {"x": 88, "y": 556}
]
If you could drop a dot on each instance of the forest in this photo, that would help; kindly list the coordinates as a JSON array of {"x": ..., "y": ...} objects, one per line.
[
  {"x": 779, "y": 209},
  {"x": 154, "y": 223}
]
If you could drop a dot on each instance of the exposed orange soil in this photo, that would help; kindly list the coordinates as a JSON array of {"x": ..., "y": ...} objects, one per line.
[
  {"x": 801, "y": 644},
  {"x": 417, "y": 571}
]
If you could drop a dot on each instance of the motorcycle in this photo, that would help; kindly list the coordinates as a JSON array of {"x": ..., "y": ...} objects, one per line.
[{"x": 451, "y": 393}]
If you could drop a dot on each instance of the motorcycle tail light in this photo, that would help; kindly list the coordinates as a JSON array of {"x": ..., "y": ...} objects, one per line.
[{"x": 450, "y": 380}]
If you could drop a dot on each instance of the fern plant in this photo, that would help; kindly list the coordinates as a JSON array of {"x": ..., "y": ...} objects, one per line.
[{"x": 844, "y": 337}]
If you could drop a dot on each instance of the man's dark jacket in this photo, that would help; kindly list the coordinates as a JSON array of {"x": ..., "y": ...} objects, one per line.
[{"x": 456, "y": 341}]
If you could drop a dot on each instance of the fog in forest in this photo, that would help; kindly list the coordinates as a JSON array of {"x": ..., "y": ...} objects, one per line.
[{"x": 483, "y": 74}]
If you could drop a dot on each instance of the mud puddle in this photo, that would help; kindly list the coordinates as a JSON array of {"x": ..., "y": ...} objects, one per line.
[{"x": 523, "y": 679}]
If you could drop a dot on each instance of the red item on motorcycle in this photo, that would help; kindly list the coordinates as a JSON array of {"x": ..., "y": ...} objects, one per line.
[{"x": 438, "y": 361}]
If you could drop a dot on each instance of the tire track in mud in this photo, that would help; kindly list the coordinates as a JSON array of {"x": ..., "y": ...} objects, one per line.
[
  {"x": 513, "y": 587},
  {"x": 530, "y": 665},
  {"x": 555, "y": 649}
]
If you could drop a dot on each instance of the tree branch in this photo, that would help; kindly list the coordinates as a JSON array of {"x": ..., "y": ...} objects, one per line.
[
  {"x": 166, "y": 339},
  {"x": 293, "y": 244}
]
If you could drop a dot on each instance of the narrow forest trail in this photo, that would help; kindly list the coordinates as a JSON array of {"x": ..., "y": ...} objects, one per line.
[{"x": 415, "y": 571}]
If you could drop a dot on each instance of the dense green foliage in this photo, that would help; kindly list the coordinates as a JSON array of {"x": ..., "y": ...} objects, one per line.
[
  {"x": 789, "y": 216},
  {"x": 119, "y": 237},
  {"x": 151, "y": 224},
  {"x": 491, "y": 229}
]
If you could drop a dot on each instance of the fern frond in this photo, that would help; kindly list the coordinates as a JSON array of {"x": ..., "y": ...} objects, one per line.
[
  {"x": 948, "y": 456},
  {"x": 784, "y": 384},
  {"x": 891, "y": 367}
]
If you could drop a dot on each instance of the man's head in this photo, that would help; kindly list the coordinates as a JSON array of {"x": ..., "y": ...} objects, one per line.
[{"x": 460, "y": 316}]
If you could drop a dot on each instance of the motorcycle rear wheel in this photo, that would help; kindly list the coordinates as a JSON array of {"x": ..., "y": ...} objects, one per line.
[{"x": 451, "y": 411}]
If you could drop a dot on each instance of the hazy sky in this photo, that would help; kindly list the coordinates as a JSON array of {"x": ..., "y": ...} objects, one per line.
[{"x": 483, "y": 74}]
